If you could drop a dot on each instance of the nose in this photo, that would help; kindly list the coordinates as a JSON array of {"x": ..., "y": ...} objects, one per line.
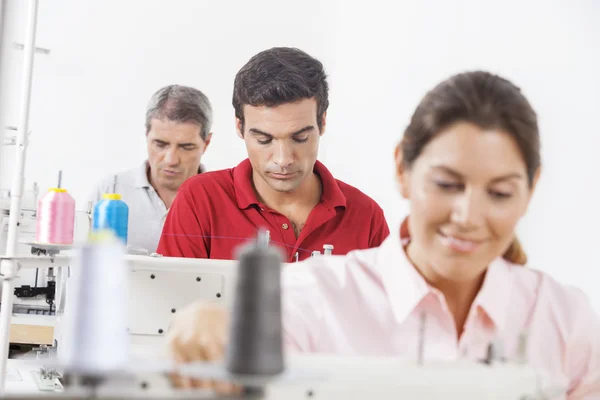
[
  {"x": 469, "y": 209},
  {"x": 284, "y": 156},
  {"x": 172, "y": 156}
]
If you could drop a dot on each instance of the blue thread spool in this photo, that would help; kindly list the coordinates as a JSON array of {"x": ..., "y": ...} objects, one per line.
[{"x": 113, "y": 214}]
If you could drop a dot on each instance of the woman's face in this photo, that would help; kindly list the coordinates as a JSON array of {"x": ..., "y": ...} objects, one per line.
[{"x": 467, "y": 191}]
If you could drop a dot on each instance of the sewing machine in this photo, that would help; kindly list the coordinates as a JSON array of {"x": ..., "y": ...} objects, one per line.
[
  {"x": 163, "y": 285},
  {"x": 159, "y": 286}
]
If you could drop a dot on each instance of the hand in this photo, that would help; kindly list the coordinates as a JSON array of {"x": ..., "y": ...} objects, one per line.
[{"x": 199, "y": 333}]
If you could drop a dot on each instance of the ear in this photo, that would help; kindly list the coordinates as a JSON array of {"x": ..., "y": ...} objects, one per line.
[
  {"x": 402, "y": 175},
  {"x": 207, "y": 141},
  {"x": 323, "y": 123},
  {"x": 239, "y": 127}
]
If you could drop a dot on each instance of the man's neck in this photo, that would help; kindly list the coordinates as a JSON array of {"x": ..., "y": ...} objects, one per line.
[
  {"x": 167, "y": 196},
  {"x": 308, "y": 194}
]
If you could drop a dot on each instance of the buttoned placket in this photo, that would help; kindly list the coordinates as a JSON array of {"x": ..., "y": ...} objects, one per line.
[{"x": 285, "y": 231}]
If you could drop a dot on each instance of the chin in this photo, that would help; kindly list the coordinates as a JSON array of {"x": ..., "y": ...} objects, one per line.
[
  {"x": 283, "y": 187},
  {"x": 170, "y": 184},
  {"x": 458, "y": 270}
]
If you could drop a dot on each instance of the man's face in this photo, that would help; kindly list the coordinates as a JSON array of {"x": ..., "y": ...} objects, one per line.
[
  {"x": 282, "y": 142},
  {"x": 174, "y": 152}
]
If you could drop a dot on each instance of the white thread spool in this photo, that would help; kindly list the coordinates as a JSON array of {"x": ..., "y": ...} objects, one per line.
[{"x": 96, "y": 339}]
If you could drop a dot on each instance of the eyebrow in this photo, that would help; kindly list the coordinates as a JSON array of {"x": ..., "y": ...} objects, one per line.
[
  {"x": 456, "y": 174},
  {"x": 256, "y": 131},
  {"x": 178, "y": 144}
]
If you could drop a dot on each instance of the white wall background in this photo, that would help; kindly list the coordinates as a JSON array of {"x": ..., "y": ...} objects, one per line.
[{"x": 90, "y": 92}]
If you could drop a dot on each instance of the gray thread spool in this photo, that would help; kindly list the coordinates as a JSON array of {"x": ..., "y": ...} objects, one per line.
[{"x": 256, "y": 339}]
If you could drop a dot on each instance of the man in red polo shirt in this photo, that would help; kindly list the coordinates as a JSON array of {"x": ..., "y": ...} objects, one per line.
[{"x": 280, "y": 99}]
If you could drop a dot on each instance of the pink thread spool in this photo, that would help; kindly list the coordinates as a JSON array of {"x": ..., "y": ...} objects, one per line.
[{"x": 55, "y": 222}]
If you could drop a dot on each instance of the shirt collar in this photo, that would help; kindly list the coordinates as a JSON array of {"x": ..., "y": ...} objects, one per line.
[
  {"x": 141, "y": 175},
  {"x": 406, "y": 288},
  {"x": 494, "y": 296},
  {"x": 246, "y": 195}
]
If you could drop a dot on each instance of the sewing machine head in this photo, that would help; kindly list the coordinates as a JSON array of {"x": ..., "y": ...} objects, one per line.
[{"x": 180, "y": 281}]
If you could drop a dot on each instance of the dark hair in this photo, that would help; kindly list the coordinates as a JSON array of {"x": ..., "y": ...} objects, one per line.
[
  {"x": 180, "y": 104},
  {"x": 486, "y": 100},
  {"x": 280, "y": 75}
]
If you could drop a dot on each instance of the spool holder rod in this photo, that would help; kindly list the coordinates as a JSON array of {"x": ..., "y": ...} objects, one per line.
[{"x": 9, "y": 266}]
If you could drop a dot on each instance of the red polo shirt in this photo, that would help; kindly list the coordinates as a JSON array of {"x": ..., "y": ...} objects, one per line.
[{"x": 215, "y": 212}]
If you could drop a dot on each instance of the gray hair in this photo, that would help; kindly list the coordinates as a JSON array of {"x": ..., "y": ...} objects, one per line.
[{"x": 180, "y": 104}]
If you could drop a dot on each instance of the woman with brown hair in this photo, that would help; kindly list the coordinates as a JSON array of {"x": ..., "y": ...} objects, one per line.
[{"x": 468, "y": 164}]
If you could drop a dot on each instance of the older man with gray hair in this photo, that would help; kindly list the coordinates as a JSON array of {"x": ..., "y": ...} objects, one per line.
[{"x": 178, "y": 131}]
